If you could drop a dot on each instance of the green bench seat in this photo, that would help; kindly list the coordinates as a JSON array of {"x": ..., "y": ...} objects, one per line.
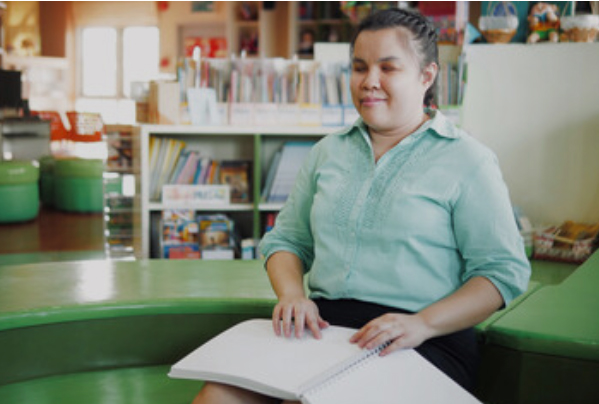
[
  {"x": 481, "y": 328},
  {"x": 108, "y": 331},
  {"x": 143, "y": 385},
  {"x": 547, "y": 350},
  {"x": 89, "y": 327}
]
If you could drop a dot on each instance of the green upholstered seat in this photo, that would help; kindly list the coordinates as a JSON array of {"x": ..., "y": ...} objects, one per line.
[
  {"x": 69, "y": 317},
  {"x": 140, "y": 385},
  {"x": 558, "y": 320},
  {"x": 19, "y": 194},
  {"x": 483, "y": 327},
  {"x": 78, "y": 185},
  {"x": 546, "y": 351},
  {"x": 109, "y": 330}
]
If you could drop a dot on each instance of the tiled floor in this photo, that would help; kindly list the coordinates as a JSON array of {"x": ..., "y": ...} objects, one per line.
[{"x": 53, "y": 236}]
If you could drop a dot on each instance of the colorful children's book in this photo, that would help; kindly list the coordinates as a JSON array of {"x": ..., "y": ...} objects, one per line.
[
  {"x": 236, "y": 174},
  {"x": 215, "y": 231}
]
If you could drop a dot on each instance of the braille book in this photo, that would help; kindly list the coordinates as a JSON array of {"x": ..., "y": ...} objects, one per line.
[{"x": 317, "y": 371}]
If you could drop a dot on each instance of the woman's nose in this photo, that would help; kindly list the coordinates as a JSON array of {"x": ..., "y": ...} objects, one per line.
[{"x": 371, "y": 80}]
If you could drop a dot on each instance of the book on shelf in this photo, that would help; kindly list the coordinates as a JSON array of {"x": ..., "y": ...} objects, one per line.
[
  {"x": 324, "y": 371},
  {"x": 269, "y": 221},
  {"x": 215, "y": 231},
  {"x": 181, "y": 251},
  {"x": 217, "y": 238},
  {"x": 270, "y": 175},
  {"x": 171, "y": 163},
  {"x": 236, "y": 174},
  {"x": 179, "y": 234},
  {"x": 288, "y": 165},
  {"x": 188, "y": 170},
  {"x": 164, "y": 155}
]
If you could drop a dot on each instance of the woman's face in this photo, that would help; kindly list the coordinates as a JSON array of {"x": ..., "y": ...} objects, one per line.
[{"x": 387, "y": 83}]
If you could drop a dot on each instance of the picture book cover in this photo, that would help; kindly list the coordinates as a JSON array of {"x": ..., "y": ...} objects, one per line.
[{"x": 236, "y": 174}]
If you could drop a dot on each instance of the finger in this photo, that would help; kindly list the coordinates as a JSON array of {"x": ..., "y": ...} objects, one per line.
[
  {"x": 358, "y": 335},
  {"x": 300, "y": 317},
  {"x": 322, "y": 323},
  {"x": 396, "y": 345},
  {"x": 314, "y": 327},
  {"x": 369, "y": 333},
  {"x": 362, "y": 332},
  {"x": 380, "y": 339},
  {"x": 287, "y": 314},
  {"x": 276, "y": 320}
]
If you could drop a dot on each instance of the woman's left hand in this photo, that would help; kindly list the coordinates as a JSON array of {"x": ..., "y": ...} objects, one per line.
[{"x": 403, "y": 330}]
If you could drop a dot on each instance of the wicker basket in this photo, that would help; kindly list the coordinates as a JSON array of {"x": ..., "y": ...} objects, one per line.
[
  {"x": 580, "y": 28},
  {"x": 501, "y": 23},
  {"x": 498, "y": 35}
]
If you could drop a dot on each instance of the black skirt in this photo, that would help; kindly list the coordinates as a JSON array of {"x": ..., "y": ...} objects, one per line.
[{"x": 455, "y": 354}]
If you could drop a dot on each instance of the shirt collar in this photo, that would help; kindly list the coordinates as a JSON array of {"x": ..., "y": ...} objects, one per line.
[{"x": 438, "y": 124}]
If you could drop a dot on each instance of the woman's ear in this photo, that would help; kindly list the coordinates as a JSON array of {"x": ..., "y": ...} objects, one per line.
[{"x": 429, "y": 73}]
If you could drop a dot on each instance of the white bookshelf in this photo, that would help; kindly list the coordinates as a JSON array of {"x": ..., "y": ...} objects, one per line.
[{"x": 257, "y": 144}]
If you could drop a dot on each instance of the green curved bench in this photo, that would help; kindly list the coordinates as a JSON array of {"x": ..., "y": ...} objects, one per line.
[
  {"x": 108, "y": 331},
  {"x": 111, "y": 330},
  {"x": 547, "y": 349}
]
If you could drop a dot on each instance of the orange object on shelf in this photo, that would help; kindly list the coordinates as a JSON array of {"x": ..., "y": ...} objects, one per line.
[
  {"x": 85, "y": 126},
  {"x": 57, "y": 129}
]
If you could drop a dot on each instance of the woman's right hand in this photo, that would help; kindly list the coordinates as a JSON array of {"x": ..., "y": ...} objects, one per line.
[{"x": 300, "y": 312}]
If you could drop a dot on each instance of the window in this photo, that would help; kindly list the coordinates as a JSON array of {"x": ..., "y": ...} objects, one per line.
[{"x": 111, "y": 59}]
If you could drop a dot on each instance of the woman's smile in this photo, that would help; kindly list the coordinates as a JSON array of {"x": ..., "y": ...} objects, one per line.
[{"x": 372, "y": 101}]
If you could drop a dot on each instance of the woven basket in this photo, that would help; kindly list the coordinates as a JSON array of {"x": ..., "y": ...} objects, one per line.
[
  {"x": 498, "y": 35},
  {"x": 580, "y": 28},
  {"x": 501, "y": 23},
  {"x": 581, "y": 34}
]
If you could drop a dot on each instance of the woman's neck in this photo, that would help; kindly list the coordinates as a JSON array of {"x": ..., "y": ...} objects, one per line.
[{"x": 385, "y": 140}]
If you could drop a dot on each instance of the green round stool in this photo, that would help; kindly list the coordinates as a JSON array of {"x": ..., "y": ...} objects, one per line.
[
  {"x": 47, "y": 180},
  {"x": 78, "y": 185},
  {"x": 19, "y": 194}
]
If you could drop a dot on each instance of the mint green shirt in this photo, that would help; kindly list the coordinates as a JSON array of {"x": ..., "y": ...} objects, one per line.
[{"x": 406, "y": 231}]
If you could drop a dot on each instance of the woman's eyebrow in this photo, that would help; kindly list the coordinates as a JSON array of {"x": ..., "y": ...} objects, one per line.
[
  {"x": 385, "y": 59},
  {"x": 390, "y": 59}
]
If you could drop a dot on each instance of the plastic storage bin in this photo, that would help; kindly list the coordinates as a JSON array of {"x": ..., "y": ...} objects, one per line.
[
  {"x": 19, "y": 194},
  {"x": 78, "y": 185}
]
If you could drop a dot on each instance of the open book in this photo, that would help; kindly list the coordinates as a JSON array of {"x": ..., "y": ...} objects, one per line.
[{"x": 326, "y": 371}]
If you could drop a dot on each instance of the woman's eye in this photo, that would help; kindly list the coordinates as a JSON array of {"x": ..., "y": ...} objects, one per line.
[{"x": 359, "y": 69}]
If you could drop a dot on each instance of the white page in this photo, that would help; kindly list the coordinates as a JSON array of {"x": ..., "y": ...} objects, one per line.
[
  {"x": 251, "y": 356},
  {"x": 401, "y": 377}
]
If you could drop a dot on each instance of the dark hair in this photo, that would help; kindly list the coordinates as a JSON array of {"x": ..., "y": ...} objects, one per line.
[{"x": 424, "y": 35}]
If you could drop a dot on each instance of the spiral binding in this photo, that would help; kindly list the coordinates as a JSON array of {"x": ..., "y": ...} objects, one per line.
[{"x": 350, "y": 368}]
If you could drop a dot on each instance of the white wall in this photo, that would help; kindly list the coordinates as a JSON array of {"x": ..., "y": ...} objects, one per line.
[{"x": 537, "y": 107}]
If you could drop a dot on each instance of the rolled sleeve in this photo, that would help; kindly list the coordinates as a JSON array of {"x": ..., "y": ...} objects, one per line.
[
  {"x": 486, "y": 232},
  {"x": 292, "y": 230}
]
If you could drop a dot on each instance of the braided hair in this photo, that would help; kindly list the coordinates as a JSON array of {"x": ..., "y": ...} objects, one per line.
[{"x": 424, "y": 37}]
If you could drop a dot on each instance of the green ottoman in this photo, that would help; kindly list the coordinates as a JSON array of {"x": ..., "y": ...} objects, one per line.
[
  {"x": 19, "y": 195},
  {"x": 78, "y": 185},
  {"x": 47, "y": 180}
]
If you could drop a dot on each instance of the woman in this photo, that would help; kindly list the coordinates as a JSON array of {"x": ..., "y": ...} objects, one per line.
[{"x": 401, "y": 222}]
